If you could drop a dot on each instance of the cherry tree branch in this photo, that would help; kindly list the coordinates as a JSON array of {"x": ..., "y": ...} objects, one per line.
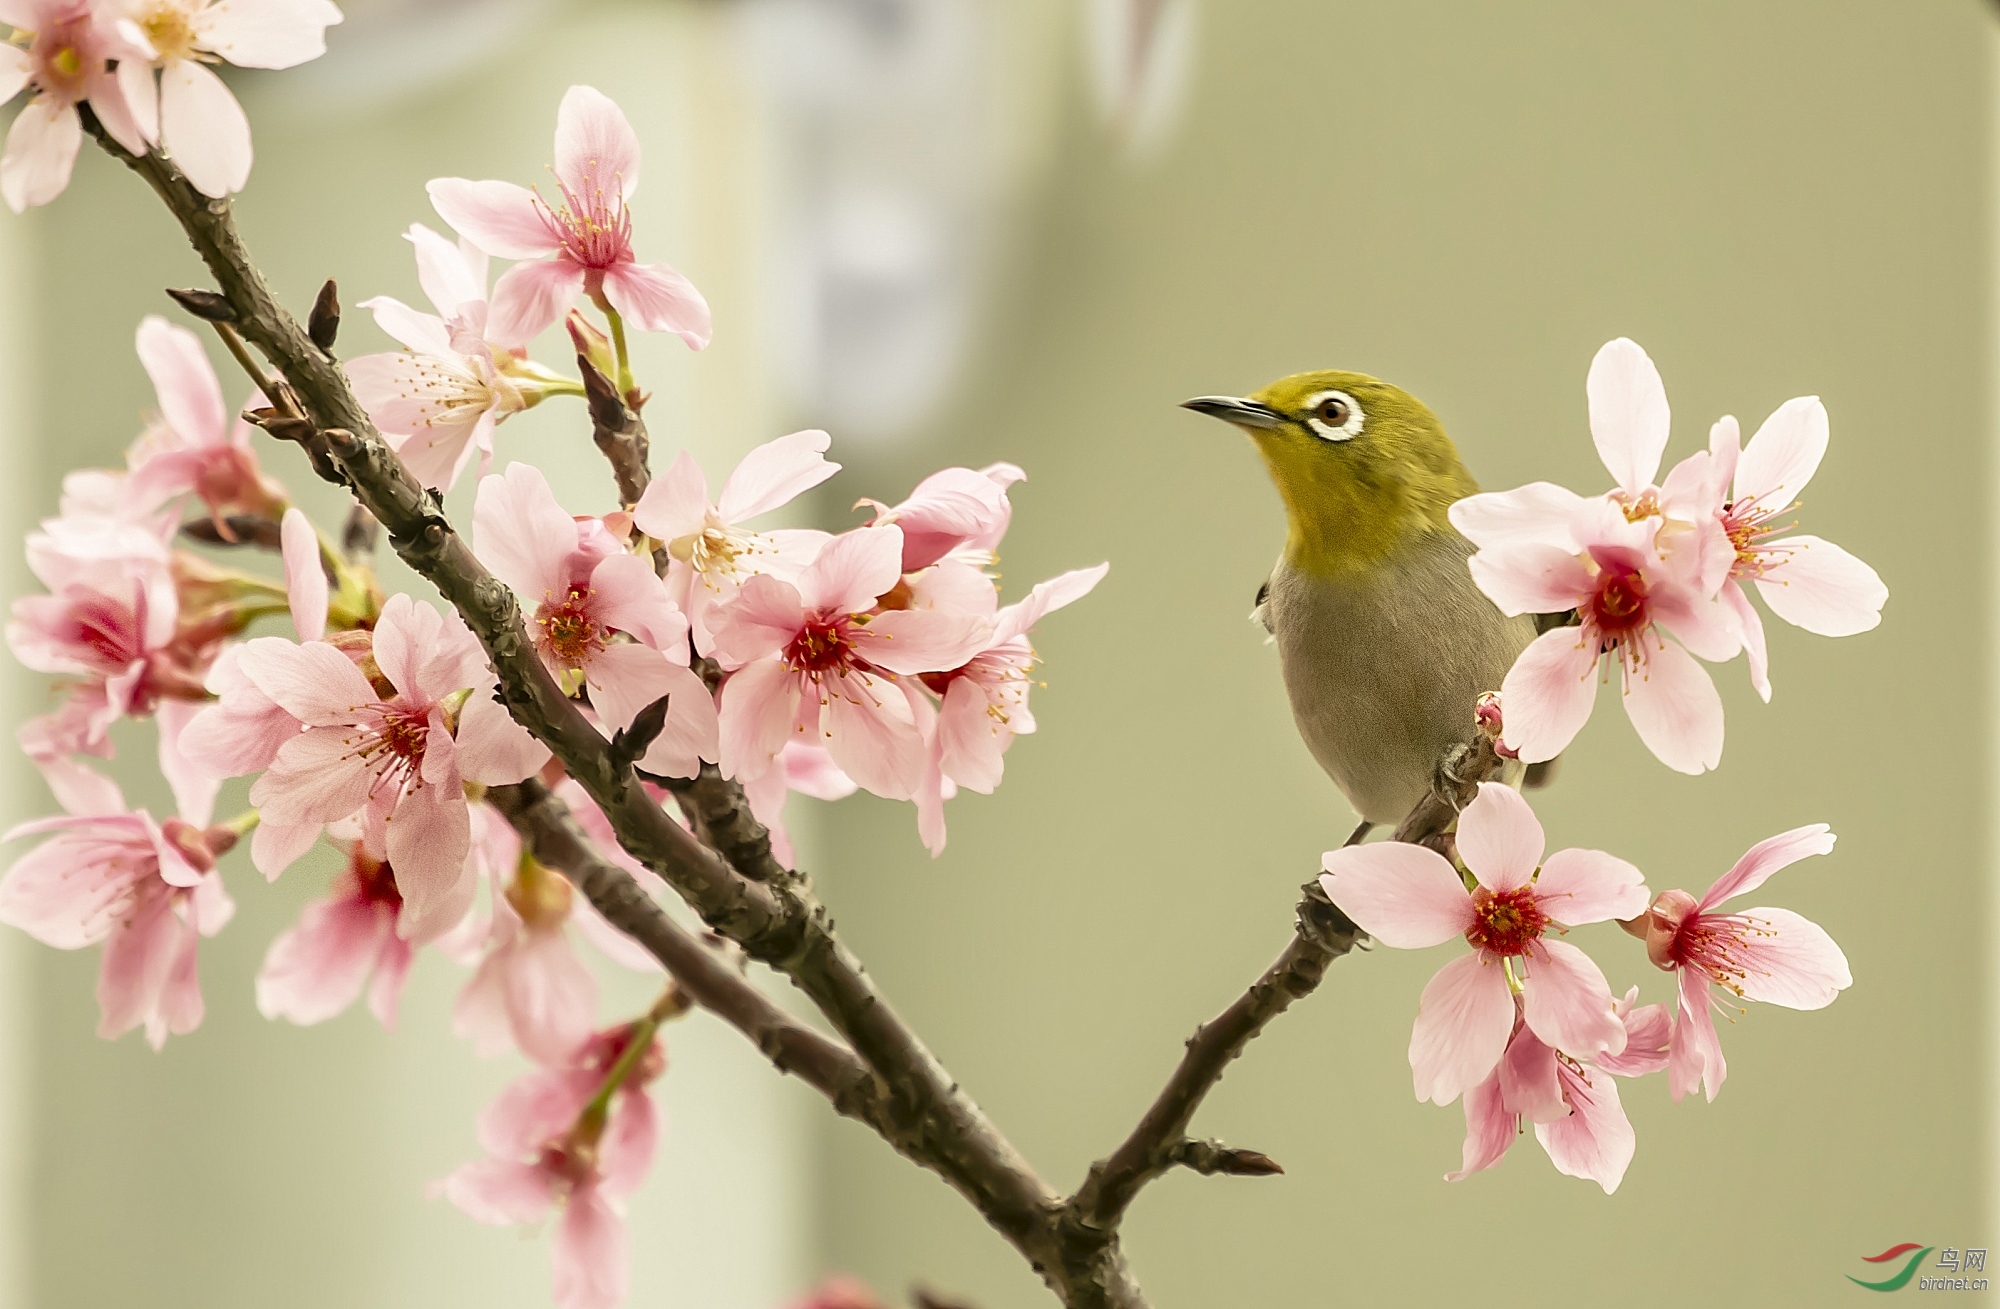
[
  {"x": 1323, "y": 934},
  {"x": 553, "y": 836},
  {"x": 924, "y": 1115}
]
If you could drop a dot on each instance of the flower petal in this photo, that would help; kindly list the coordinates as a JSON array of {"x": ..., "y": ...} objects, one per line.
[
  {"x": 1767, "y": 857},
  {"x": 1822, "y": 588},
  {"x": 588, "y": 1257},
  {"x": 268, "y": 34},
  {"x": 1499, "y": 837},
  {"x": 1694, "y": 1055},
  {"x": 628, "y": 596},
  {"x": 870, "y": 733},
  {"x": 1463, "y": 1021},
  {"x": 1403, "y": 895},
  {"x": 41, "y": 151},
  {"x": 774, "y": 474},
  {"x": 1531, "y": 578},
  {"x": 1548, "y": 694},
  {"x": 1536, "y": 514},
  {"x": 522, "y": 534},
  {"x": 203, "y": 128},
  {"x": 184, "y": 380},
  {"x": 1595, "y": 1140},
  {"x": 1566, "y": 1001},
  {"x": 500, "y": 218},
  {"x": 658, "y": 298},
  {"x": 305, "y": 579},
  {"x": 315, "y": 683},
  {"x": 1784, "y": 454},
  {"x": 493, "y": 749},
  {"x": 1673, "y": 704},
  {"x": 1489, "y": 1129},
  {"x": 760, "y": 703},
  {"x": 452, "y": 274},
  {"x": 676, "y": 502},
  {"x": 595, "y": 147},
  {"x": 1529, "y": 1085},
  {"x": 528, "y": 297},
  {"x": 1751, "y": 625},
  {"x": 853, "y": 569},
  {"x": 1789, "y": 960},
  {"x": 1589, "y": 886},
  {"x": 763, "y": 619},
  {"x": 1629, "y": 417},
  {"x": 429, "y": 835}
]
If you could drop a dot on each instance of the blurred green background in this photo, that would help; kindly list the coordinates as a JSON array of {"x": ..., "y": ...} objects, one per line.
[{"x": 1775, "y": 200}]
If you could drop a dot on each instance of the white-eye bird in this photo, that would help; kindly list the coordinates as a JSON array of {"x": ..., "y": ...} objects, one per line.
[{"x": 1385, "y": 642}]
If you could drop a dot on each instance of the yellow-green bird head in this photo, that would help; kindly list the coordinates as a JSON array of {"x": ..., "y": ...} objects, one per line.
[{"x": 1362, "y": 465}]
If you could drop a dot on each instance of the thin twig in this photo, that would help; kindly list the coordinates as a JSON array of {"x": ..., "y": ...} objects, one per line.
[{"x": 1323, "y": 934}]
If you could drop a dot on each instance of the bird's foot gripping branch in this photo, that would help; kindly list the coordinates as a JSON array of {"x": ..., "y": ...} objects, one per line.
[{"x": 610, "y": 712}]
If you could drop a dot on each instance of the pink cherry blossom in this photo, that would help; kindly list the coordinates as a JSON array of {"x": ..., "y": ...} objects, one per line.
[
  {"x": 1772, "y": 955},
  {"x": 581, "y": 590},
  {"x": 197, "y": 118},
  {"x": 983, "y": 703},
  {"x": 807, "y": 769},
  {"x": 712, "y": 550},
  {"x": 319, "y": 966},
  {"x": 388, "y": 755},
  {"x": 62, "y": 49},
  {"x": 1642, "y": 611},
  {"x": 1640, "y": 566},
  {"x": 1573, "y": 1105},
  {"x": 815, "y": 662},
  {"x": 954, "y": 509},
  {"x": 1808, "y": 581},
  {"x": 586, "y": 237},
  {"x": 1409, "y": 897},
  {"x": 110, "y": 622},
  {"x": 530, "y": 991},
  {"x": 198, "y": 446},
  {"x": 146, "y": 891},
  {"x": 547, "y": 1153},
  {"x": 440, "y": 399}
]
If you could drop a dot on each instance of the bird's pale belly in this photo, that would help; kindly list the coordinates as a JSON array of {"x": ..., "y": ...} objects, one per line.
[{"x": 1383, "y": 670}]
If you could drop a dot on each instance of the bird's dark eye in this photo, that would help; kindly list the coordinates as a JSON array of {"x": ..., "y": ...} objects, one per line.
[{"x": 1332, "y": 411}]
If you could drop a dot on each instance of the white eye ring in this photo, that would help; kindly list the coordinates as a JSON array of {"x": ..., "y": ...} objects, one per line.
[{"x": 1335, "y": 402}]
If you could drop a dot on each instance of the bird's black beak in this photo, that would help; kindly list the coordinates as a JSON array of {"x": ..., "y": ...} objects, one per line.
[{"x": 1243, "y": 413}]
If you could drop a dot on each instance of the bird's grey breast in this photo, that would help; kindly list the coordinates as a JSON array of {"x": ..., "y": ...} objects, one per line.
[{"x": 1383, "y": 667}]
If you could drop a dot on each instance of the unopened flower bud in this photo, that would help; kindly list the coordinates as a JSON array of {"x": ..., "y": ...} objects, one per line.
[
  {"x": 591, "y": 344},
  {"x": 206, "y": 305},
  {"x": 323, "y": 324},
  {"x": 1663, "y": 925},
  {"x": 1486, "y": 713}
]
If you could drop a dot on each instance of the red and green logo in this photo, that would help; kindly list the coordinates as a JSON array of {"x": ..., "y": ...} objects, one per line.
[{"x": 1901, "y": 1278}]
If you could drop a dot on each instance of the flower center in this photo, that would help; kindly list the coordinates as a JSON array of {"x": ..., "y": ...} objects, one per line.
[
  {"x": 569, "y": 635},
  {"x": 1619, "y": 608},
  {"x": 60, "y": 65},
  {"x": 1505, "y": 922},
  {"x": 1717, "y": 944},
  {"x": 542, "y": 897},
  {"x": 374, "y": 879},
  {"x": 171, "y": 30},
  {"x": 593, "y": 224},
  {"x": 395, "y": 743},
  {"x": 823, "y": 646},
  {"x": 1748, "y": 525}
]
